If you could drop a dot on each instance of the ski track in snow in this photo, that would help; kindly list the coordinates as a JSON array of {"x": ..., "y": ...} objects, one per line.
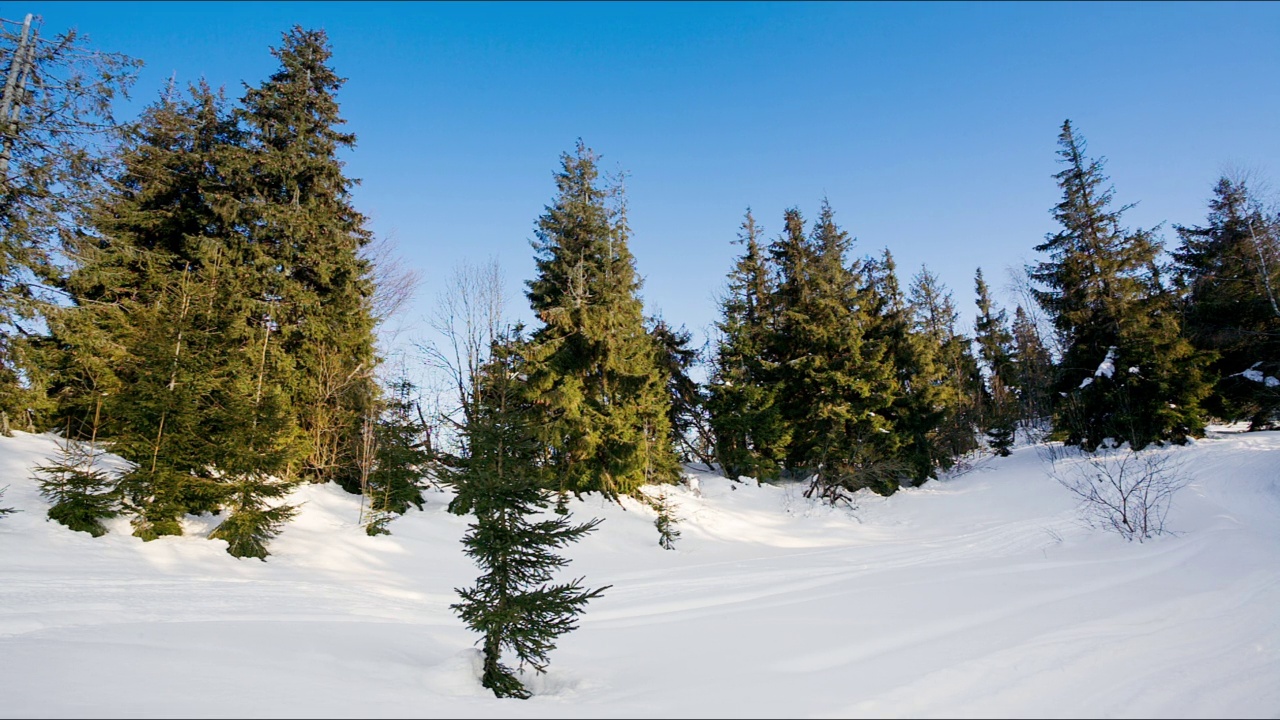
[{"x": 979, "y": 595}]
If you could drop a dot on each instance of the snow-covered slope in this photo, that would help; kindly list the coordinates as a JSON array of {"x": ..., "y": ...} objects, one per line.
[{"x": 978, "y": 595}]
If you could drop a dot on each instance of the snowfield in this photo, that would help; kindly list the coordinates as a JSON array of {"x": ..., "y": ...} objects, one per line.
[{"x": 981, "y": 594}]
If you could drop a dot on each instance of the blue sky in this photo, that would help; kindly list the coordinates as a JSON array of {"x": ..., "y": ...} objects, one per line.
[{"x": 931, "y": 127}]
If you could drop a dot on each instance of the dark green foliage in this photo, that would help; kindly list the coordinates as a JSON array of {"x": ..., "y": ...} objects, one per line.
[
  {"x": 834, "y": 386},
  {"x": 313, "y": 285},
  {"x": 690, "y": 427},
  {"x": 5, "y": 510},
  {"x": 166, "y": 328},
  {"x": 1033, "y": 371},
  {"x": 665, "y": 522},
  {"x": 593, "y": 370},
  {"x": 996, "y": 349},
  {"x": 251, "y": 522},
  {"x": 824, "y": 371},
  {"x": 400, "y": 456},
  {"x": 1229, "y": 272},
  {"x": 83, "y": 495},
  {"x": 514, "y": 605},
  {"x": 52, "y": 159},
  {"x": 943, "y": 392},
  {"x": 749, "y": 435},
  {"x": 1103, "y": 291}
]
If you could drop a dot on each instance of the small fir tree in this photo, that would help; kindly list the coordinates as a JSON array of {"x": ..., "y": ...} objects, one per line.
[
  {"x": 83, "y": 494},
  {"x": 400, "y": 457},
  {"x": 514, "y": 605}
]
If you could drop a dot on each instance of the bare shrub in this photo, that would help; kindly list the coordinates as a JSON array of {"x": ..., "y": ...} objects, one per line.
[{"x": 1120, "y": 490}]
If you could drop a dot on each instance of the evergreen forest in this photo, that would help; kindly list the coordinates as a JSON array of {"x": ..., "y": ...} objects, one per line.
[{"x": 194, "y": 291}]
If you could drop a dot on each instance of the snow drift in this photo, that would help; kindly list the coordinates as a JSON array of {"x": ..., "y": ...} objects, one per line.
[{"x": 981, "y": 594}]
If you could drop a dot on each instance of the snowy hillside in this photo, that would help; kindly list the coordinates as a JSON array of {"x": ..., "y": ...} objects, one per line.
[{"x": 978, "y": 595}]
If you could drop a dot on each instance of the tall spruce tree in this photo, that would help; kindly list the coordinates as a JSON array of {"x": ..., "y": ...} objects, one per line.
[
  {"x": 592, "y": 367},
  {"x": 832, "y": 383},
  {"x": 945, "y": 392},
  {"x": 499, "y": 479},
  {"x": 312, "y": 279},
  {"x": 995, "y": 348},
  {"x": 190, "y": 398},
  {"x": 57, "y": 130},
  {"x": 1126, "y": 371},
  {"x": 742, "y": 397},
  {"x": 1229, "y": 270}
]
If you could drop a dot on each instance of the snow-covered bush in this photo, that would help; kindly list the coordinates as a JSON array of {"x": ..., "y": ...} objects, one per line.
[{"x": 1121, "y": 490}]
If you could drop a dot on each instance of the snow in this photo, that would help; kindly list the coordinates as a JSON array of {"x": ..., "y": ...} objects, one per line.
[
  {"x": 1257, "y": 376},
  {"x": 981, "y": 594},
  {"x": 1107, "y": 367}
]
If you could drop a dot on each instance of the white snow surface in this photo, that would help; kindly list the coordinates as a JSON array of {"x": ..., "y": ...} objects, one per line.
[
  {"x": 1107, "y": 367},
  {"x": 981, "y": 594}
]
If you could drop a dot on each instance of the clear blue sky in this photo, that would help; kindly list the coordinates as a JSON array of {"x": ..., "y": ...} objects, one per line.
[{"x": 931, "y": 127}]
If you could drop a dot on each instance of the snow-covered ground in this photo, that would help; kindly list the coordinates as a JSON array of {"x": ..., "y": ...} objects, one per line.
[{"x": 978, "y": 595}]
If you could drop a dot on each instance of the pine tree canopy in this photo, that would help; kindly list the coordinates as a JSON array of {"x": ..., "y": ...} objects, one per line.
[
  {"x": 1230, "y": 274},
  {"x": 593, "y": 369},
  {"x": 1103, "y": 291}
]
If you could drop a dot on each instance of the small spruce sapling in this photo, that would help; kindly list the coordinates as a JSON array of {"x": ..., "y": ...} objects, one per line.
[
  {"x": 666, "y": 520},
  {"x": 513, "y": 604},
  {"x": 83, "y": 494}
]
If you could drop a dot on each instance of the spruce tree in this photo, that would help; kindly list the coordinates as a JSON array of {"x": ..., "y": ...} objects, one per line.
[
  {"x": 1229, "y": 271},
  {"x": 833, "y": 384},
  {"x": 316, "y": 287},
  {"x": 514, "y": 605},
  {"x": 400, "y": 456},
  {"x": 1126, "y": 372},
  {"x": 593, "y": 370},
  {"x": 57, "y": 129},
  {"x": 82, "y": 493},
  {"x": 1033, "y": 370},
  {"x": 687, "y": 416},
  {"x": 995, "y": 347},
  {"x": 163, "y": 283},
  {"x": 742, "y": 396},
  {"x": 943, "y": 388}
]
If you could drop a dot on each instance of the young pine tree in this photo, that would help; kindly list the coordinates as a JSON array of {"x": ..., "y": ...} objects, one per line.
[
  {"x": 592, "y": 367},
  {"x": 400, "y": 457},
  {"x": 514, "y": 604},
  {"x": 83, "y": 494},
  {"x": 1126, "y": 372},
  {"x": 1230, "y": 274}
]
